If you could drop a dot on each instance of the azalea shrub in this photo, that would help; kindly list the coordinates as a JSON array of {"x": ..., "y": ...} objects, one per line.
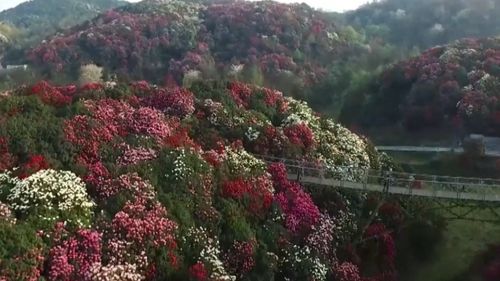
[
  {"x": 50, "y": 195},
  {"x": 153, "y": 183}
]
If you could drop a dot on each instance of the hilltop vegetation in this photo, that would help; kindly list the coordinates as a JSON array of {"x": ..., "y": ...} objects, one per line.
[
  {"x": 456, "y": 82},
  {"x": 40, "y": 18},
  {"x": 266, "y": 43},
  {"x": 426, "y": 23}
]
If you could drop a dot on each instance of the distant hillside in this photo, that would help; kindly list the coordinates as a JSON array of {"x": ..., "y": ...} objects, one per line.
[
  {"x": 426, "y": 23},
  {"x": 259, "y": 42},
  {"x": 43, "y": 17},
  {"x": 459, "y": 82}
]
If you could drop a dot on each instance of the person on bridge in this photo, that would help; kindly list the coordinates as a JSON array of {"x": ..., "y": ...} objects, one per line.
[
  {"x": 411, "y": 182},
  {"x": 387, "y": 180}
]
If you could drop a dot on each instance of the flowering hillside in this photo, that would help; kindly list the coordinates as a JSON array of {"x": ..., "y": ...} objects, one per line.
[
  {"x": 136, "y": 182},
  {"x": 456, "y": 83},
  {"x": 253, "y": 41}
]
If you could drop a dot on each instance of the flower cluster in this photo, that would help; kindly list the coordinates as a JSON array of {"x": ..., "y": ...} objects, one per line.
[
  {"x": 121, "y": 254},
  {"x": 300, "y": 112},
  {"x": 387, "y": 248},
  {"x": 214, "y": 111},
  {"x": 131, "y": 183},
  {"x": 34, "y": 164},
  {"x": 343, "y": 153},
  {"x": 347, "y": 272},
  {"x": 301, "y": 260},
  {"x": 300, "y": 211},
  {"x": 209, "y": 253},
  {"x": 122, "y": 272},
  {"x": 53, "y": 195},
  {"x": 240, "y": 259},
  {"x": 240, "y": 162},
  {"x": 6, "y": 158},
  {"x": 257, "y": 192},
  {"x": 111, "y": 121},
  {"x": 301, "y": 214},
  {"x": 180, "y": 166},
  {"x": 235, "y": 189},
  {"x": 252, "y": 134},
  {"x": 73, "y": 258},
  {"x": 300, "y": 135},
  {"x": 198, "y": 272},
  {"x": 53, "y": 95},
  {"x": 6, "y": 214},
  {"x": 145, "y": 223},
  {"x": 125, "y": 40},
  {"x": 132, "y": 156},
  {"x": 321, "y": 239},
  {"x": 177, "y": 102},
  {"x": 240, "y": 93}
]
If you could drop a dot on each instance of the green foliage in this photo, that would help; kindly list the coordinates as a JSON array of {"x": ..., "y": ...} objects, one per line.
[
  {"x": 351, "y": 35},
  {"x": 265, "y": 265},
  {"x": 234, "y": 224},
  {"x": 252, "y": 74},
  {"x": 181, "y": 207},
  {"x": 16, "y": 240},
  {"x": 19, "y": 247},
  {"x": 34, "y": 129},
  {"x": 213, "y": 89}
]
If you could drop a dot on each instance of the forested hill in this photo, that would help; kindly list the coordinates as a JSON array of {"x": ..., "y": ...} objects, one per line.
[
  {"x": 426, "y": 23},
  {"x": 252, "y": 41},
  {"x": 460, "y": 80},
  {"x": 43, "y": 17}
]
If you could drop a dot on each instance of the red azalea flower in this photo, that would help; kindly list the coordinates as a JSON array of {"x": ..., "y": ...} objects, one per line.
[{"x": 198, "y": 272}]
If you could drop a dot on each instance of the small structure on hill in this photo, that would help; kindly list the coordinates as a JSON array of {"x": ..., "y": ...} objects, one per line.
[{"x": 17, "y": 67}]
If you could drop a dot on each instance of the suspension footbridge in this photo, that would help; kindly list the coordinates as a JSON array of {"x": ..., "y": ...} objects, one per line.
[{"x": 397, "y": 183}]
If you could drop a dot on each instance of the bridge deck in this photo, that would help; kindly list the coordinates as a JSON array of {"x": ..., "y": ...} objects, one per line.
[
  {"x": 491, "y": 150},
  {"x": 420, "y": 149},
  {"x": 458, "y": 188},
  {"x": 480, "y": 196}
]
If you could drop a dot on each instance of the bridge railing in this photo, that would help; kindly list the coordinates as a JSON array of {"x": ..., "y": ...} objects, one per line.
[{"x": 399, "y": 182}]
